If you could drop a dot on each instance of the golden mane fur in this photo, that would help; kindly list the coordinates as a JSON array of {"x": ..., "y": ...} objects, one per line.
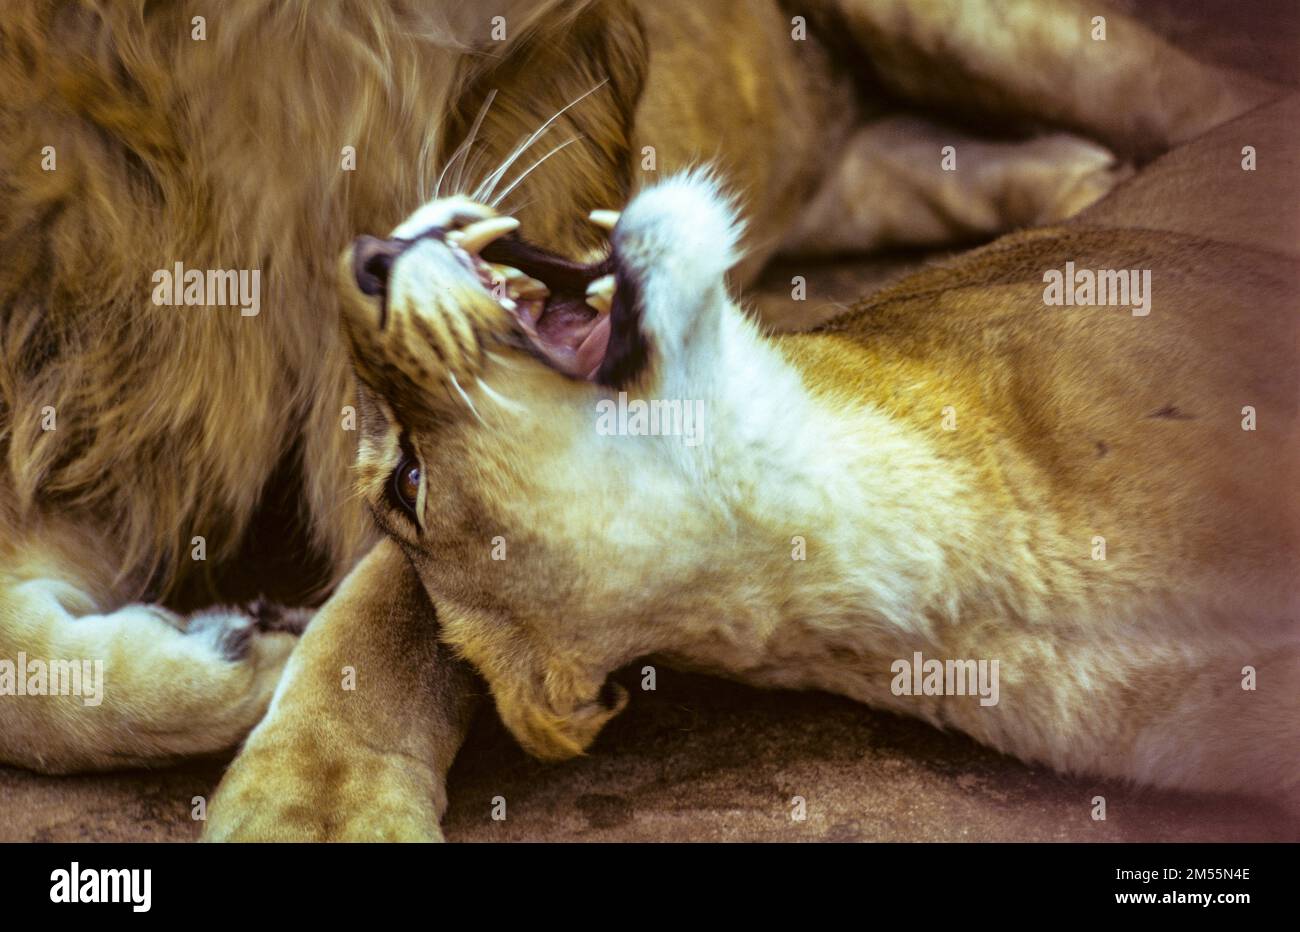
[{"x": 221, "y": 153}]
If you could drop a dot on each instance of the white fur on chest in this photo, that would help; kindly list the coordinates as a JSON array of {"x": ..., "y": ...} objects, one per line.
[{"x": 813, "y": 541}]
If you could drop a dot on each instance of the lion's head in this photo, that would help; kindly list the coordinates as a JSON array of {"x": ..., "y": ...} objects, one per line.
[{"x": 555, "y": 546}]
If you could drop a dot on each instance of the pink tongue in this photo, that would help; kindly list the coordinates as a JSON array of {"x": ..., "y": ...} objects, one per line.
[{"x": 592, "y": 349}]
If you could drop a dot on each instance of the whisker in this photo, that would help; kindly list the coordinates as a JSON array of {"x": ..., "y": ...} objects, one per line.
[
  {"x": 475, "y": 163},
  {"x": 529, "y": 170},
  {"x": 504, "y": 361},
  {"x": 461, "y": 391},
  {"x": 426, "y": 153},
  {"x": 519, "y": 208},
  {"x": 473, "y": 135},
  {"x": 437, "y": 188},
  {"x": 512, "y": 406},
  {"x": 463, "y": 149},
  {"x": 491, "y": 181}
]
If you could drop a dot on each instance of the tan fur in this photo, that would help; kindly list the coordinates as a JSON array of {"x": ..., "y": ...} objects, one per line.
[
  {"x": 178, "y": 422},
  {"x": 155, "y": 146},
  {"x": 968, "y": 543},
  {"x": 183, "y": 422},
  {"x": 333, "y": 747},
  {"x": 547, "y": 680}
]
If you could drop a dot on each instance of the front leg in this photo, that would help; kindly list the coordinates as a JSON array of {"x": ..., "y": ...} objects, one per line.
[
  {"x": 105, "y": 685},
  {"x": 671, "y": 309},
  {"x": 363, "y": 728}
]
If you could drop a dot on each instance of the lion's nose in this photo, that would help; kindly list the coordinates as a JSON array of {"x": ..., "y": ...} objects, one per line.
[{"x": 372, "y": 259}]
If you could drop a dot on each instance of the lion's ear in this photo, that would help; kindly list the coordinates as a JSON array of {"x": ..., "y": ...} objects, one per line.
[{"x": 588, "y": 66}]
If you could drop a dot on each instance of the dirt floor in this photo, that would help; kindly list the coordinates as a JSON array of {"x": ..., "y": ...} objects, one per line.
[
  {"x": 702, "y": 759},
  {"x": 705, "y": 760}
]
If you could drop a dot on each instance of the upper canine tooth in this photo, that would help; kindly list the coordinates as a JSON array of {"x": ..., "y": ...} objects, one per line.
[
  {"x": 604, "y": 218},
  {"x": 478, "y": 234}
]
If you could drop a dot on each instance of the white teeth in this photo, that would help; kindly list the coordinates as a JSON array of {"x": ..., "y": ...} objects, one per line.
[
  {"x": 478, "y": 234},
  {"x": 604, "y": 218},
  {"x": 600, "y": 293},
  {"x": 530, "y": 289},
  {"x": 520, "y": 285}
]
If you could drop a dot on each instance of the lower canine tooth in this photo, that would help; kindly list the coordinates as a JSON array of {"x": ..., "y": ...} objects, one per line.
[
  {"x": 600, "y": 293},
  {"x": 530, "y": 288},
  {"x": 521, "y": 285}
]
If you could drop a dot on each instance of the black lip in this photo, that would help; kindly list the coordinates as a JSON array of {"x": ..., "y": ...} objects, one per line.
[
  {"x": 558, "y": 273},
  {"x": 628, "y": 353}
]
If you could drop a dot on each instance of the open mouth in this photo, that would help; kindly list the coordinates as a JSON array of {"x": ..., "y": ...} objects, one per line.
[{"x": 563, "y": 306}]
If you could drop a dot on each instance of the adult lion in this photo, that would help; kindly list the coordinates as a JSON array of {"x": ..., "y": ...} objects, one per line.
[
  {"x": 1059, "y": 524},
  {"x": 161, "y": 460}
]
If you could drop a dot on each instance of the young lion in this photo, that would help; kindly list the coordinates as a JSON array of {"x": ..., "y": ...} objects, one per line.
[{"x": 1091, "y": 500}]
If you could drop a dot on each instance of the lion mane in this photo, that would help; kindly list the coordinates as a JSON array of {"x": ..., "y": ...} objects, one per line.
[{"x": 128, "y": 144}]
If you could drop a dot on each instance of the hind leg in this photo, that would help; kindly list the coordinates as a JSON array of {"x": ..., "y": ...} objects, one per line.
[
  {"x": 891, "y": 188},
  {"x": 1039, "y": 62},
  {"x": 136, "y": 684}
]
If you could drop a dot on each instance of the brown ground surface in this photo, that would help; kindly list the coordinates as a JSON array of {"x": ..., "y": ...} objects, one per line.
[{"x": 703, "y": 759}]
